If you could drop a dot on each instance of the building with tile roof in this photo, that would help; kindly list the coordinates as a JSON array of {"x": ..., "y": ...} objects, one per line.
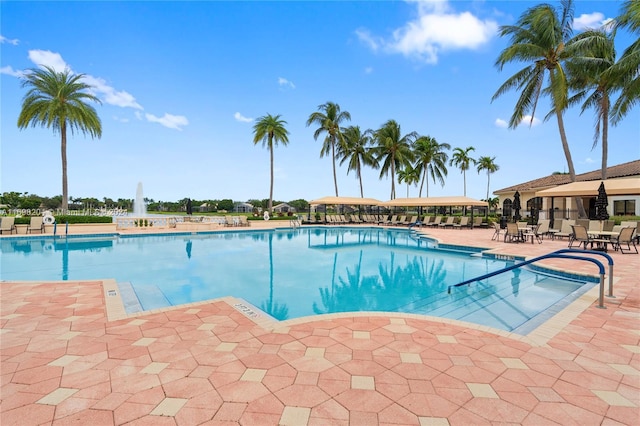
[{"x": 541, "y": 207}]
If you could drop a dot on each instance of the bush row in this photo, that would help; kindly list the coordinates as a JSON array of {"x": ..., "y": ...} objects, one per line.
[{"x": 70, "y": 219}]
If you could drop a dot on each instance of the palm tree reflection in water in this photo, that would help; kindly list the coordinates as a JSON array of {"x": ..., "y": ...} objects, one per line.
[
  {"x": 270, "y": 306},
  {"x": 396, "y": 288}
]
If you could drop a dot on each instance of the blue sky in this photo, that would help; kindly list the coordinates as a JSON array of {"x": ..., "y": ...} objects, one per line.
[{"x": 181, "y": 84}]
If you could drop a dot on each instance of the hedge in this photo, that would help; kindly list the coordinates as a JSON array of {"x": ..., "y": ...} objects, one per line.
[{"x": 71, "y": 219}]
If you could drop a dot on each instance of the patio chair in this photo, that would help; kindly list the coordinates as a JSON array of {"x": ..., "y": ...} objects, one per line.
[
  {"x": 386, "y": 221},
  {"x": 625, "y": 237},
  {"x": 464, "y": 222},
  {"x": 37, "y": 223},
  {"x": 581, "y": 235},
  {"x": 411, "y": 221},
  {"x": 512, "y": 234},
  {"x": 8, "y": 224},
  {"x": 244, "y": 221},
  {"x": 557, "y": 225},
  {"x": 533, "y": 234},
  {"x": 594, "y": 226},
  {"x": 497, "y": 232},
  {"x": 399, "y": 220},
  {"x": 228, "y": 221}
]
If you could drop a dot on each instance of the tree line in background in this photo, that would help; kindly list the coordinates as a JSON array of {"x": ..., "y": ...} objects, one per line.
[
  {"x": 571, "y": 70},
  {"x": 26, "y": 201}
]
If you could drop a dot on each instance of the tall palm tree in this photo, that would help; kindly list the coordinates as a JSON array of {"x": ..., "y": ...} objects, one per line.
[
  {"x": 392, "y": 150},
  {"x": 462, "y": 160},
  {"x": 270, "y": 130},
  {"x": 540, "y": 38},
  {"x": 357, "y": 151},
  {"x": 590, "y": 75},
  {"x": 58, "y": 100},
  {"x": 626, "y": 70},
  {"x": 488, "y": 164},
  {"x": 329, "y": 120},
  {"x": 431, "y": 159},
  {"x": 408, "y": 175}
]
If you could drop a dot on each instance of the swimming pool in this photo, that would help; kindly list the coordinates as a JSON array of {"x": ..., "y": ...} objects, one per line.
[{"x": 290, "y": 273}]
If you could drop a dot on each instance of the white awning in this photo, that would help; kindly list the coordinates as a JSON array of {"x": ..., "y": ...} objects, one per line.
[{"x": 628, "y": 186}]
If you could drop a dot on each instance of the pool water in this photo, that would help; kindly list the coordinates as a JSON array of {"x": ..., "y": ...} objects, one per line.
[{"x": 291, "y": 273}]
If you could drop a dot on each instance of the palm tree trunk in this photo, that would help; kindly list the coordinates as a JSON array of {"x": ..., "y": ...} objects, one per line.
[
  {"x": 464, "y": 180},
  {"x": 63, "y": 149},
  {"x": 422, "y": 182},
  {"x": 270, "y": 207},
  {"x": 605, "y": 134},
  {"x": 333, "y": 156},
  {"x": 360, "y": 179},
  {"x": 393, "y": 179},
  {"x": 567, "y": 154}
]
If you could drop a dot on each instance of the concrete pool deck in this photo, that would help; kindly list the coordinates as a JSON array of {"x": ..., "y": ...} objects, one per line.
[{"x": 63, "y": 361}]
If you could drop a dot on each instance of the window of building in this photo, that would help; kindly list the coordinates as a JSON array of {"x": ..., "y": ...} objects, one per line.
[{"x": 624, "y": 207}]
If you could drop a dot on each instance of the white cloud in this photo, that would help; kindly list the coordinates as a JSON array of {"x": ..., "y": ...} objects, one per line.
[
  {"x": 372, "y": 42},
  {"x": 501, "y": 123},
  {"x": 593, "y": 20},
  {"x": 110, "y": 95},
  {"x": 241, "y": 118},
  {"x": 526, "y": 121},
  {"x": 437, "y": 28},
  {"x": 589, "y": 160},
  {"x": 283, "y": 82},
  {"x": 48, "y": 58},
  {"x": 13, "y": 41},
  {"x": 121, "y": 119},
  {"x": 168, "y": 120},
  {"x": 10, "y": 71},
  {"x": 138, "y": 115}
]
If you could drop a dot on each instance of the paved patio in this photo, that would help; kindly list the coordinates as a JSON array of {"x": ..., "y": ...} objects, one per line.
[{"x": 65, "y": 360}]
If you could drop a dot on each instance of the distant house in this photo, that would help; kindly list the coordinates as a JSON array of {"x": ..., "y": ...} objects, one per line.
[
  {"x": 564, "y": 207},
  {"x": 239, "y": 207},
  {"x": 204, "y": 207},
  {"x": 284, "y": 208}
]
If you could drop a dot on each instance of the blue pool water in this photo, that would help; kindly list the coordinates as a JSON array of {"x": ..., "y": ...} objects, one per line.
[{"x": 293, "y": 273}]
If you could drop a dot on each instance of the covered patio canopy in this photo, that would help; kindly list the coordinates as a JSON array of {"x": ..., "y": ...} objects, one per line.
[
  {"x": 630, "y": 186},
  {"x": 435, "y": 201},
  {"x": 350, "y": 201}
]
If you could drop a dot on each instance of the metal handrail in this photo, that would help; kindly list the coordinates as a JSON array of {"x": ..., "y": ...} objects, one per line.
[{"x": 557, "y": 254}]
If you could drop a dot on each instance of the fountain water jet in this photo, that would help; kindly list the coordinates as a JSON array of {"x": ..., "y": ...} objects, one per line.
[{"x": 139, "y": 207}]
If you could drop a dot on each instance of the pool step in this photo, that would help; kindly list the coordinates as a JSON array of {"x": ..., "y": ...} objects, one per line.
[
  {"x": 147, "y": 297},
  {"x": 512, "y": 302}
]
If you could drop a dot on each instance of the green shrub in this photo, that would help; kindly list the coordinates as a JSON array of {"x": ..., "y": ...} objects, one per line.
[{"x": 69, "y": 219}]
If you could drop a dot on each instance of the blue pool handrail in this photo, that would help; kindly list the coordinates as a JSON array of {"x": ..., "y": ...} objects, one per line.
[{"x": 556, "y": 254}]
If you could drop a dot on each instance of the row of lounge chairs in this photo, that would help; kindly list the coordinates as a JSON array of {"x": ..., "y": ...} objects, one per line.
[
  {"x": 398, "y": 220},
  {"x": 7, "y": 224},
  {"x": 236, "y": 221}
]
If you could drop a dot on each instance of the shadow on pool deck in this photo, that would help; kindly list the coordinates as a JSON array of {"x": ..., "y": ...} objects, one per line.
[{"x": 63, "y": 361}]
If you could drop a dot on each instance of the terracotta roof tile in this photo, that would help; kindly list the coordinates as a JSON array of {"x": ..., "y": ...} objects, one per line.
[{"x": 631, "y": 168}]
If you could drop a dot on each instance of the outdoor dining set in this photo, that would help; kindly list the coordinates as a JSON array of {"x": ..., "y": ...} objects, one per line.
[{"x": 587, "y": 234}]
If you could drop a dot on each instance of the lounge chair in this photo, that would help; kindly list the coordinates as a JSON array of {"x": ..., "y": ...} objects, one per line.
[
  {"x": 566, "y": 230},
  {"x": 625, "y": 237},
  {"x": 557, "y": 225},
  {"x": 37, "y": 223},
  {"x": 387, "y": 221},
  {"x": 355, "y": 219},
  {"x": 399, "y": 221},
  {"x": 228, "y": 221},
  {"x": 411, "y": 221},
  {"x": 583, "y": 238},
  {"x": 244, "y": 221},
  {"x": 436, "y": 221},
  {"x": 8, "y": 224},
  {"x": 464, "y": 222},
  {"x": 449, "y": 222}
]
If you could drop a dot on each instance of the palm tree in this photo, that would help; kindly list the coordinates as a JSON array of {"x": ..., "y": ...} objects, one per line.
[
  {"x": 430, "y": 160},
  {"x": 329, "y": 119},
  {"x": 392, "y": 150},
  {"x": 58, "y": 100},
  {"x": 357, "y": 152},
  {"x": 488, "y": 164},
  {"x": 626, "y": 70},
  {"x": 541, "y": 39},
  {"x": 590, "y": 75},
  {"x": 408, "y": 175},
  {"x": 462, "y": 160},
  {"x": 270, "y": 130}
]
